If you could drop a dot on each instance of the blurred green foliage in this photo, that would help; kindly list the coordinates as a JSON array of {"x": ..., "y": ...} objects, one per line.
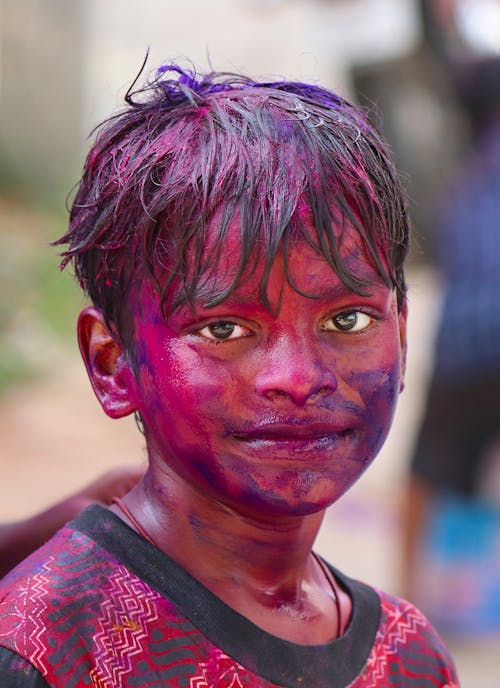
[{"x": 38, "y": 303}]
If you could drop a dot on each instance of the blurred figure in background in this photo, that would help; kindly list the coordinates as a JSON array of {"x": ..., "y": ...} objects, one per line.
[{"x": 452, "y": 503}]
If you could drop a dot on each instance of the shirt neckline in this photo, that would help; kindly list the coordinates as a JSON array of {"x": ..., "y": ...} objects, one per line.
[{"x": 335, "y": 664}]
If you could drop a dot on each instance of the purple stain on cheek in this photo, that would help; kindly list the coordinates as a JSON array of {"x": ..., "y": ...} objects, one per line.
[
  {"x": 380, "y": 390},
  {"x": 199, "y": 465}
]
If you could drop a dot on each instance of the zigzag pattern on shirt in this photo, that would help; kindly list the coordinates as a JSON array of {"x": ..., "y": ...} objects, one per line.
[
  {"x": 402, "y": 633},
  {"x": 220, "y": 671},
  {"x": 50, "y": 595},
  {"x": 395, "y": 631},
  {"x": 60, "y": 598},
  {"x": 23, "y": 621},
  {"x": 40, "y": 586},
  {"x": 404, "y": 622},
  {"x": 14, "y": 617},
  {"x": 122, "y": 626},
  {"x": 21, "y": 625}
]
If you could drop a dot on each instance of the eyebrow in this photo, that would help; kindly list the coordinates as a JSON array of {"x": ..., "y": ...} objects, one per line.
[{"x": 253, "y": 300}]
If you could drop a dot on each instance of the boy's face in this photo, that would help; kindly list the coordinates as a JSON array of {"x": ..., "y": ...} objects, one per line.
[{"x": 272, "y": 413}]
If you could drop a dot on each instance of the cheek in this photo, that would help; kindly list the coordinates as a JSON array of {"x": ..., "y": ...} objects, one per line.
[
  {"x": 194, "y": 380},
  {"x": 180, "y": 384},
  {"x": 378, "y": 391}
]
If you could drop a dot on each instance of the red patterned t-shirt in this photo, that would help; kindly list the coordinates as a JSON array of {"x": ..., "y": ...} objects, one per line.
[{"x": 100, "y": 606}]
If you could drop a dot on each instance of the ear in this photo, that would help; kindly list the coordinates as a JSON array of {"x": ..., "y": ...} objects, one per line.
[
  {"x": 403, "y": 318},
  {"x": 109, "y": 371}
]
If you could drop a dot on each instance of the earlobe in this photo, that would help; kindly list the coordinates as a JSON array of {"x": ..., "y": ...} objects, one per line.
[{"x": 107, "y": 367}]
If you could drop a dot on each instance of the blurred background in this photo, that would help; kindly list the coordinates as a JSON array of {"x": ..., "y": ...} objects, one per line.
[{"x": 64, "y": 66}]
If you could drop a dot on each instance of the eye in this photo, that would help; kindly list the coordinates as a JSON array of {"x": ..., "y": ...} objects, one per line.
[
  {"x": 348, "y": 321},
  {"x": 223, "y": 329}
]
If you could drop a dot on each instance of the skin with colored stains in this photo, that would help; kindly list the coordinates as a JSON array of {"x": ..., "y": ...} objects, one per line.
[
  {"x": 243, "y": 244},
  {"x": 256, "y": 419},
  {"x": 271, "y": 414}
]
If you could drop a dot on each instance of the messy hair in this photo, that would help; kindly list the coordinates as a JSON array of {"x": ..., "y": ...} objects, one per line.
[{"x": 191, "y": 152}]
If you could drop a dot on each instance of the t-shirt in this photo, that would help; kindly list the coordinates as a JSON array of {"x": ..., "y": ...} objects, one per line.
[{"x": 98, "y": 605}]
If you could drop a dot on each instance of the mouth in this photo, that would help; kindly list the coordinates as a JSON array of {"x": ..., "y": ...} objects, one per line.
[{"x": 294, "y": 437}]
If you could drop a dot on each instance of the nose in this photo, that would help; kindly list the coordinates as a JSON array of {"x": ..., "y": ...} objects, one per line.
[{"x": 293, "y": 370}]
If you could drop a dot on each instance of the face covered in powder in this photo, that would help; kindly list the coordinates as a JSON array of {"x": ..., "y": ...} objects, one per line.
[{"x": 273, "y": 409}]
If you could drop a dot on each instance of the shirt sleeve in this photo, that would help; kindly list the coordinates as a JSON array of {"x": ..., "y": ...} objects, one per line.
[{"x": 17, "y": 672}]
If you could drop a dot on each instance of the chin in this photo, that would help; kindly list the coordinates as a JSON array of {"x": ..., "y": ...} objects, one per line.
[{"x": 297, "y": 500}]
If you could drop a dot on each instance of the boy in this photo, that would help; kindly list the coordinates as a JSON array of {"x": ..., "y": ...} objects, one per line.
[{"x": 243, "y": 247}]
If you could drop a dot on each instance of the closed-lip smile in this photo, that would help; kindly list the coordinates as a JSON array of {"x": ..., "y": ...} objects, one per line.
[{"x": 290, "y": 432}]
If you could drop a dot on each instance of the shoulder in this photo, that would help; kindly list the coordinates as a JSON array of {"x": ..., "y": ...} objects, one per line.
[
  {"x": 64, "y": 579},
  {"x": 408, "y": 645},
  {"x": 74, "y": 606},
  {"x": 403, "y": 647}
]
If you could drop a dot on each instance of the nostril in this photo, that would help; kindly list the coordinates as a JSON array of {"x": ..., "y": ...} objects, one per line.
[
  {"x": 299, "y": 396},
  {"x": 274, "y": 393},
  {"x": 322, "y": 391}
]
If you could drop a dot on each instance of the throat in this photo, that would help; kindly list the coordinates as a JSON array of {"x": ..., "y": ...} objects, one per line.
[
  {"x": 306, "y": 614},
  {"x": 304, "y": 621}
]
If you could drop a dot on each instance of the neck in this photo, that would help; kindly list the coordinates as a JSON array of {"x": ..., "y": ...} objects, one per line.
[
  {"x": 261, "y": 567},
  {"x": 217, "y": 544}
]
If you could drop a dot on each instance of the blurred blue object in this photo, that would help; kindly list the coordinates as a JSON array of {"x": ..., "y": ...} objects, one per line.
[{"x": 461, "y": 554}]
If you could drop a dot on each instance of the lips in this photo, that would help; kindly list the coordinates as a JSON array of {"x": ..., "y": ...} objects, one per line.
[
  {"x": 288, "y": 430},
  {"x": 286, "y": 439}
]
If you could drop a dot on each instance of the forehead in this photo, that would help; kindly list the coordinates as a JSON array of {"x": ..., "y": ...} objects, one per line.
[
  {"x": 307, "y": 271},
  {"x": 297, "y": 258},
  {"x": 303, "y": 272}
]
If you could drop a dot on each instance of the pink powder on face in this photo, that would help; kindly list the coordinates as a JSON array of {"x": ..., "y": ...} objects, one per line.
[{"x": 220, "y": 413}]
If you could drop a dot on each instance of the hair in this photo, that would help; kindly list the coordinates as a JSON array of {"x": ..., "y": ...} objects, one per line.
[{"x": 191, "y": 152}]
